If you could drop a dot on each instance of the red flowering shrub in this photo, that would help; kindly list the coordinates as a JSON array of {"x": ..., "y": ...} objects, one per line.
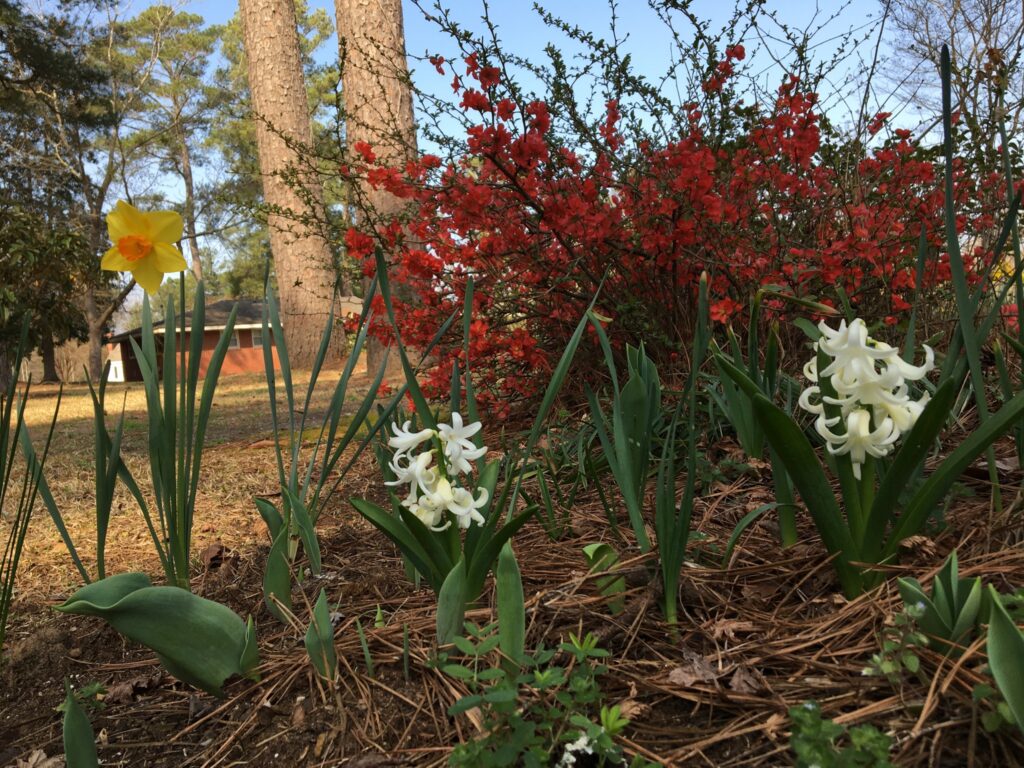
[{"x": 540, "y": 224}]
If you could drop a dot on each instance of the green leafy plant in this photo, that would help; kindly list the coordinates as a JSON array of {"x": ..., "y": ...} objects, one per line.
[
  {"x": 950, "y": 615},
  {"x": 869, "y": 523},
  {"x": 13, "y": 431},
  {"x": 303, "y": 495},
  {"x": 200, "y": 642},
  {"x": 454, "y": 565},
  {"x": 672, "y": 519},
  {"x": 734, "y": 404},
  {"x": 900, "y": 642},
  {"x": 814, "y": 742},
  {"x": 319, "y": 640},
  {"x": 551, "y": 707},
  {"x": 603, "y": 559},
  {"x": 627, "y": 435}
]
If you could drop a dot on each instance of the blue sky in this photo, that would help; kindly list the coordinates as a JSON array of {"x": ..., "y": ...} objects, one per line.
[{"x": 647, "y": 40}]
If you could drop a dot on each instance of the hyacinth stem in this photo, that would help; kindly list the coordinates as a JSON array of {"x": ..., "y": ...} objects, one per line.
[{"x": 867, "y": 494}]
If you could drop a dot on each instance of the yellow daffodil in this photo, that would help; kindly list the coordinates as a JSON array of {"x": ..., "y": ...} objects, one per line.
[{"x": 144, "y": 244}]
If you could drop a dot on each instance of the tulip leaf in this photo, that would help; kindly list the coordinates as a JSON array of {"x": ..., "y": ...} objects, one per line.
[
  {"x": 1006, "y": 657},
  {"x": 306, "y": 530},
  {"x": 451, "y": 604},
  {"x": 79, "y": 742},
  {"x": 319, "y": 639},
  {"x": 277, "y": 578},
  {"x": 511, "y": 606},
  {"x": 200, "y": 642},
  {"x": 270, "y": 516}
]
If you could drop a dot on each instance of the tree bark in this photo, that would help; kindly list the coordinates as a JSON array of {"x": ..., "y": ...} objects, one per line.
[
  {"x": 49, "y": 356},
  {"x": 302, "y": 258},
  {"x": 190, "y": 206},
  {"x": 378, "y": 100}
]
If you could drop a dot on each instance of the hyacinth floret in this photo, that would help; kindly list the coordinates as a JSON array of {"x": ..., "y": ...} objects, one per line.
[
  {"x": 433, "y": 488},
  {"x": 870, "y": 381}
]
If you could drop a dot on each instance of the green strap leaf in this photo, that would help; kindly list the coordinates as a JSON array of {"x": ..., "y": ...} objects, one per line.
[
  {"x": 79, "y": 742},
  {"x": 803, "y": 467},
  {"x": 1006, "y": 656}
]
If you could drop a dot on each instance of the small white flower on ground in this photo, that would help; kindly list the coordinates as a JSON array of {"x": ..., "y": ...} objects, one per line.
[{"x": 582, "y": 746}]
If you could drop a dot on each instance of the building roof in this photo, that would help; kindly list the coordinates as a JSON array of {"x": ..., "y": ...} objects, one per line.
[{"x": 249, "y": 315}]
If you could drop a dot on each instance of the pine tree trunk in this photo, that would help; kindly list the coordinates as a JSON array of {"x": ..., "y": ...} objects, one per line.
[
  {"x": 190, "y": 207},
  {"x": 302, "y": 258},
  {"x": 378, "y": 99}
]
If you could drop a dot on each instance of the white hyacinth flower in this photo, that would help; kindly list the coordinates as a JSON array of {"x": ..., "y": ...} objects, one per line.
[
  {"x": 869, "y": 379},
  {"x": 859, "y": 440},
  {"x": 433, "y": 493},
  {"x": 406, "y": 440},
  {"x": 458, "y": 447}
]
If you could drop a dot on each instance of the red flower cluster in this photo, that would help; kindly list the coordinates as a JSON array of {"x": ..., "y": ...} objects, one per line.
[{"x": 539, "y": 226}]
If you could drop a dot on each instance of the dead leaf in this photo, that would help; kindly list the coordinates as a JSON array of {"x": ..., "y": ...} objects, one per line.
[
  {"x": 213, "y": 556},
  {"x": 727, "y": 628},
  {"x": 38, "y": 759},
  {"x": 775, "y": 725},
  {"x": 919, "y": 545},
  {"x": 631, "y": 709},
  {"x": 124, "y": 692},
  {"x": 696, "y": 670},
  {"x": 746, "y": 680}
]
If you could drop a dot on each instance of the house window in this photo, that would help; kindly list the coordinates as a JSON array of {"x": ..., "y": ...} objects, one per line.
[
  {"x": 233, "y": 343},
  {"x": 257, "y": 338}
]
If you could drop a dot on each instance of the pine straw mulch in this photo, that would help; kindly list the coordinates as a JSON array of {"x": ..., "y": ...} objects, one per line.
[{"x": 769, "y": 632}]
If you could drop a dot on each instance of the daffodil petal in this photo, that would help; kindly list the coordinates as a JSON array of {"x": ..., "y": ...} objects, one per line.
[
  {"x": 167, "y": 258},
  {"x": 147, "y": 275},
  {"x": 125, "y": 220},
  {"x": 163, "y": 226},
  {"x": 115, "y": 260}
]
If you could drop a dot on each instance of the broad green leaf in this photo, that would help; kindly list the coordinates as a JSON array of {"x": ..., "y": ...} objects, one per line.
[
  {"x": 277, "y": 578},
  {"x": 912, "y": 452},
  {"x": 200, "y": 642},
  {"x": 1006, "y": 657},
  {"x": 394, "y": 529},
  {"x": 306, "y": 530},
  {"x": 511, "y": 605},
  {"x": 805, "y": 470},
  {"x": 939, "y": 482},
  {"x": 451, "y": 604},
  {"x": 270, "y": 516}
]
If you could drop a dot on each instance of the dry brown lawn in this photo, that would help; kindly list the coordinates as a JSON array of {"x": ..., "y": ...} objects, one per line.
[{"x": 238, "y": 464}]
